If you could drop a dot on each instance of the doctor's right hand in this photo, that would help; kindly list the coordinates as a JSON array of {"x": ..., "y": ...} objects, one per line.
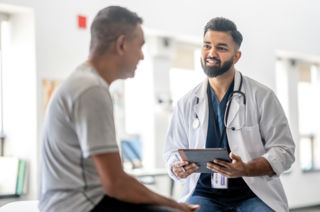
[{"x": 183, "y": 169}]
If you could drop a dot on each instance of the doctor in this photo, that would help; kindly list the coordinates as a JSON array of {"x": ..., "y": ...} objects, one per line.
[{"x": 230, "y": 110}]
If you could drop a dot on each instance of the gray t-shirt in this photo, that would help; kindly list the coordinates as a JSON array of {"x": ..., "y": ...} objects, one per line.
[{"x": 79, "y": 123}]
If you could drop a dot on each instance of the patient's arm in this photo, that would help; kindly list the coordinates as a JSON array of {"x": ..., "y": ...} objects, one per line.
[{"x": 118, "y": 184}]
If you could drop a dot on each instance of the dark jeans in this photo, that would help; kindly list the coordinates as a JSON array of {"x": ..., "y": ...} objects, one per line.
[
  {"x": 114, "y": 205},
  {"x": 251, "y": 205}
]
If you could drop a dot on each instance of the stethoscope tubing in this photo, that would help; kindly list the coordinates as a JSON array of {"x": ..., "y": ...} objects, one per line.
[{"x": 229, "y": 102}]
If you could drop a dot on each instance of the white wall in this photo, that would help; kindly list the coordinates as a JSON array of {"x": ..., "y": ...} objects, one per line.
[{"x": 267, "y": 26}]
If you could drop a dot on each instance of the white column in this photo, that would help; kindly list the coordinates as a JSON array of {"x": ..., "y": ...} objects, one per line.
[{"x": 162, "y": 51}]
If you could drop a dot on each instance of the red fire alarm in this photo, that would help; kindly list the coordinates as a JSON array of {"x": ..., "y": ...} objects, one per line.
[{"x": 82, "y": 22}]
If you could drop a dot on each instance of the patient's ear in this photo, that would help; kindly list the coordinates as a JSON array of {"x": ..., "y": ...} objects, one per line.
[{"x": 120, "y": 44}]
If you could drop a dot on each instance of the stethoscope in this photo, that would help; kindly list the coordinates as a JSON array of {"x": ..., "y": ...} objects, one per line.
[{"x": 196, "y": 121}]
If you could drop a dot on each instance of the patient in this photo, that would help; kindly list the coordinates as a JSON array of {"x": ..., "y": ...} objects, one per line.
[{"x": 81, "y": 168}]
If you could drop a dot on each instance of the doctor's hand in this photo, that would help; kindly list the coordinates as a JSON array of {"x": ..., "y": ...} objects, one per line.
[
  {"x": 235, "y": 168},
  {"x": 183, "y": 169}
]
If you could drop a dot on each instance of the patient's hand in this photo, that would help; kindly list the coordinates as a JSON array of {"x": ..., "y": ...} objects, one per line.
[
  {"x": 189, "y": 207},
  {"x": 183, "y": 169}
]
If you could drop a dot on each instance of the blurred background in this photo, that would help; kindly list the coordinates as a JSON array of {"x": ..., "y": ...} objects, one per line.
[{"x": 43, "y": 41}]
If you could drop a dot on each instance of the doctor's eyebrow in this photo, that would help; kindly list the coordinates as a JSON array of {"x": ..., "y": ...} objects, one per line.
[
  {"x": 222, "y": 44},
  {"x": 218, "y": 44}
]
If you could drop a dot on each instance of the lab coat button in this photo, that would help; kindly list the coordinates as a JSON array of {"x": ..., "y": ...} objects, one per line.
[{"x": 233, "y": 128}]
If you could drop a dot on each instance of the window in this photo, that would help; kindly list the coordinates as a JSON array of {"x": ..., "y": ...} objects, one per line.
[
  {"x": 186, "y": 72},
  {"x": 298, "y": 87},
  {"x": 308, "y": 110}
]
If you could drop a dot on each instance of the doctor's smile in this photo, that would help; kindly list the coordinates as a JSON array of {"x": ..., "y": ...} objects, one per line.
[{"x": 211, "y": 61}]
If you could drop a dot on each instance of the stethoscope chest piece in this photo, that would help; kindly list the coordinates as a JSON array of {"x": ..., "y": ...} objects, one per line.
[{"x": 195, "y": 123}]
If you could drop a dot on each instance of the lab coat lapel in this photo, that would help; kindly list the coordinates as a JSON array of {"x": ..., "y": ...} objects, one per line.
[
  {"x": 201, "y": 109},
  {"x": 234, "y": 109},
  {"x": 235, "y": 105}
]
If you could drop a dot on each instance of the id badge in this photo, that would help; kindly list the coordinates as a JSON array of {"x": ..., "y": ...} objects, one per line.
[{"x": 218, "y": 181}]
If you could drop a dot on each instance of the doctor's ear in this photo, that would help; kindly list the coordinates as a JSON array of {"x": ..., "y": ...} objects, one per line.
[
  {"x": 120, "y": 44},
  {"x": 237, "y": 57}
]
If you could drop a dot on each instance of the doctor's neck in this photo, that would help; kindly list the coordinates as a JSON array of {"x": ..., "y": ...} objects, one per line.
[{"x": 221, "y": 83}]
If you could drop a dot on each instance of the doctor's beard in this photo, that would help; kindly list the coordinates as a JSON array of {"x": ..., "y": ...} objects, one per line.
[{"x": 214, "y": 71}]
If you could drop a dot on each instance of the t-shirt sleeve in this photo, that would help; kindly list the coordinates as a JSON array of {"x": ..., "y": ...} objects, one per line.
[{"x": 94, "y": 122}]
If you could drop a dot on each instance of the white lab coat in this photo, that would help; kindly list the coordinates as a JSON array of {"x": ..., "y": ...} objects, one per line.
[{"x": 261, "y": 131}]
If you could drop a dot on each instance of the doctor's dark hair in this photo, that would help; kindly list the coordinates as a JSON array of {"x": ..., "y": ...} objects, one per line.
[
  {"x": 109, "y": 24},
  {"x": 221, "y": 24}
]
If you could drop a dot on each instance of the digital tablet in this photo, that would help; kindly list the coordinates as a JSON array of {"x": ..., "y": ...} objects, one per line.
[{"x": 202, "y": 156}]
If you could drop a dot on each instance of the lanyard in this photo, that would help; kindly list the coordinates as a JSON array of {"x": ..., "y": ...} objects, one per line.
[{"x": 209, "y": 93}]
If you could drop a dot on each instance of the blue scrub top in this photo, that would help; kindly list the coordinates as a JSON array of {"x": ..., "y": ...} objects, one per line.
[
  {"x": 219, "y": 108},
  {"x": 238, "y": 190}
]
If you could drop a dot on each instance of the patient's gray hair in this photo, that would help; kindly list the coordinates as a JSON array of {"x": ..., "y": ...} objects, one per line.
[{"x": 109, "y": 24}]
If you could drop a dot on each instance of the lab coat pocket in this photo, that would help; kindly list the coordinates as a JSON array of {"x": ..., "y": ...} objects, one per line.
[{"x": 252, "y": 141}]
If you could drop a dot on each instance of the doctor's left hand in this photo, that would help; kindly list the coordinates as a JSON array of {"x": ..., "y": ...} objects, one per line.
[{"x": 234, "y": 169}]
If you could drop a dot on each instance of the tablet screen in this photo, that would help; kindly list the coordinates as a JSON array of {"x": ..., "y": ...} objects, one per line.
[{"x": 202, "y": 156}]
